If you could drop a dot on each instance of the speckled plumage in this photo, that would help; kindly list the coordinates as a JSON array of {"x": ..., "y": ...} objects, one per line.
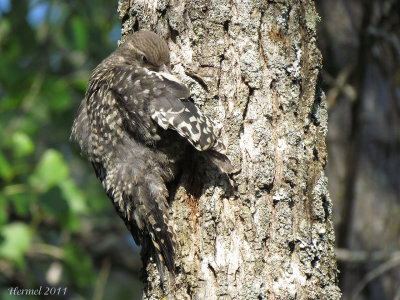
[{"x": 135, "y": 126}]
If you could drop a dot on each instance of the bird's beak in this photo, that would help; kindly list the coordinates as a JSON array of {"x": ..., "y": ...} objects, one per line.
[{"x": 166, "y": 69}]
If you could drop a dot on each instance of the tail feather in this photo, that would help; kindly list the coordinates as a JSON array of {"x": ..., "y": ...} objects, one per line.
[
  {"x": 157, "y": 217},
  {"x": 162, "y": 237},
  {"x": 164, "y": 246},
  {"x": 144, "y": 208}
]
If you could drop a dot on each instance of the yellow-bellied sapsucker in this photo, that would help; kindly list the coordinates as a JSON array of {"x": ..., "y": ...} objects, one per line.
[{"x": 135, "y": 125}]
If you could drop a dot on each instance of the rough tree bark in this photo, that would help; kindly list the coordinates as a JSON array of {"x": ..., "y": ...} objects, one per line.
[{"x": 255, "y": 68}]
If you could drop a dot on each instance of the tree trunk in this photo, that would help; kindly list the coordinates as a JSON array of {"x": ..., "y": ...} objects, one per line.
[{"x": 267, "y": 233}]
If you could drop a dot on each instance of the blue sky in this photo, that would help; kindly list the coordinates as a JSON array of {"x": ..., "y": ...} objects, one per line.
[
  {"x": 39, "y": 10},
  {"x": 37, "y": 13},
  {"x": 4, "y": 6}
]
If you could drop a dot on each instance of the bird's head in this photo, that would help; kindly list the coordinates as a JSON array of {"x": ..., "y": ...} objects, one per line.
[{"x": 146, "y": 49}]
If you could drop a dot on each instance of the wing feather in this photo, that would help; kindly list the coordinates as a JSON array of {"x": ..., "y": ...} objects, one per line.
[{"x": 165, "y": 99}]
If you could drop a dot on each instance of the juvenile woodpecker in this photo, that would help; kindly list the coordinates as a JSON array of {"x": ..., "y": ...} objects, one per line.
[{"x": 135, "y": 126}]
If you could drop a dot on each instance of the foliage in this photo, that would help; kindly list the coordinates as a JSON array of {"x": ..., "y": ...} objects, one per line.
[{"x": 47, "y": 51}]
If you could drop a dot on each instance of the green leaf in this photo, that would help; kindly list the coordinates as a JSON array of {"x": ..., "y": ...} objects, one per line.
[
  {"x": 56, "y": 94},
  {"x": 5, "y": 28},
  {"x": 21, "y": 203},
  {"x": 54, "y": 204},
  {"x": 6, "y": 170},
  {"x": 79, "y": 265},
  {"x": 16, "y": 238},
  {"x": 74, "y": 196},
  {"x": 22, "y": 144},
  {"x": 80, "y": 33},
  {"x": 51, "y": 170},
  {"x": 3, "y": 210}
]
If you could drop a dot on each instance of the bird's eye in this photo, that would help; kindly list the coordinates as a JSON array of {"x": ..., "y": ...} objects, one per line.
[{"x": 144, "y": 59}]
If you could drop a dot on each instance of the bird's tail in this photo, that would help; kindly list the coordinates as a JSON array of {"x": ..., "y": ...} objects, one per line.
[
  {"x": 163, "y": 240},
  {"x": 144, "y": 208}
]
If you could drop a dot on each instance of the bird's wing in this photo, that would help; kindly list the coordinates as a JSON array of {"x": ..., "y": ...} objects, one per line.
[{"x": 166, "y": 100}]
